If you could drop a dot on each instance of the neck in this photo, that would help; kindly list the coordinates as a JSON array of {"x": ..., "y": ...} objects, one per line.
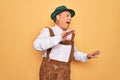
[{"x": 62, "y": 27}]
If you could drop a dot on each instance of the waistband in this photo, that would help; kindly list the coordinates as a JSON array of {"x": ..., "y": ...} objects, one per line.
[{"x": 55, "y": 61}]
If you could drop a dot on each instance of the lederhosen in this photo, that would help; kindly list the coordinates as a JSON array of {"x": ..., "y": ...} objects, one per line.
[{"x": 53, "y": 69}]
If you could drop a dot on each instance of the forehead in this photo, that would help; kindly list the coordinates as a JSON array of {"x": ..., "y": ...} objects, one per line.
[{"x": 65, "y": 13}]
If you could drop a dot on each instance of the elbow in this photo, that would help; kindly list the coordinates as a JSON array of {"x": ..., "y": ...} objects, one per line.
[
  {"x": 36, "y": 46},
  {"x": 39, "y": 46}
]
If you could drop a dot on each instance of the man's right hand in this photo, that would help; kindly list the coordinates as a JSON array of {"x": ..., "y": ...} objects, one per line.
[{"x": 66, "y": 33}]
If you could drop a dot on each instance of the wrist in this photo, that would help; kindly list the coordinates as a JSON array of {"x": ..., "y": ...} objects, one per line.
[{"x": 88, "y": 56}]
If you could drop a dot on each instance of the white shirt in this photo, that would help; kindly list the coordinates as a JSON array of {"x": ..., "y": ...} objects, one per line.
[{"x": 59, "y": 52}]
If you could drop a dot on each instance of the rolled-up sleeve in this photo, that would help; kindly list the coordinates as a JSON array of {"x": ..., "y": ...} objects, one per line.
[
  {"x": 80, "y": 56},
  {"x": 44, "y": 41}
]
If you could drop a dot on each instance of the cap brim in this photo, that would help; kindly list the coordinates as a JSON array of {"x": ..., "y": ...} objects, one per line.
[{"x": 53, "y": 15}]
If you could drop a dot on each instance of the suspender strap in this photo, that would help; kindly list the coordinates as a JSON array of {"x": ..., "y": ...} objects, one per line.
[
  {"x": 49, "y": 50},
  {"x": 71, "y": 42},
  {"x": 51, "y": 32},
  {"x": 66, "y": 42},
  {"x": 72, "y": 48}
]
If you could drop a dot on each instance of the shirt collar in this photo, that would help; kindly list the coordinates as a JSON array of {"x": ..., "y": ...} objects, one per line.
[{"x": 58, "y": 29}]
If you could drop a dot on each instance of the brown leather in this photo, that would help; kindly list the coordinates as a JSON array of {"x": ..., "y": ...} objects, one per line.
[
  {"x": 51, "y": 34},
  {"x": 72, "y": 49},
  {"x": 66, "y": 42},
  {"x": 53, "y": 69}
]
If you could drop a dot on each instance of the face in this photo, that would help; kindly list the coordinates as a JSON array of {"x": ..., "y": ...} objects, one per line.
[{"x": 63, "y": 20}]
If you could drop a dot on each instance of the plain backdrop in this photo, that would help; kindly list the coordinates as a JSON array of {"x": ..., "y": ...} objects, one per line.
[{"x": 96, "y": 24}]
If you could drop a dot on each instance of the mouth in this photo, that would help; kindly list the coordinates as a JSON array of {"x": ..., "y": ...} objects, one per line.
[{"x": 68, "y": 23}]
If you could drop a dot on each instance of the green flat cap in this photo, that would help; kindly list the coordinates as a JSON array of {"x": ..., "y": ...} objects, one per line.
[{"x": 61, "y": 9}]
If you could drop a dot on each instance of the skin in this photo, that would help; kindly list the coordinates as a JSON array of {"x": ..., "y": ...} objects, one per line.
[{"x": 63, "y": 20}]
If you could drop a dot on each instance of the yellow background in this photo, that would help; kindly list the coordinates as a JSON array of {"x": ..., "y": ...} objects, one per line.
[{"x": 97, "y": 25}]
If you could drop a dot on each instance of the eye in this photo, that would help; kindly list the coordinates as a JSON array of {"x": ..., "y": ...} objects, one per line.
[{"x": 68, "y": 15}]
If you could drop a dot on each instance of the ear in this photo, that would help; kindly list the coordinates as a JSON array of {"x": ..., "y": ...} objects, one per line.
[{"x": 57, "y": 17}]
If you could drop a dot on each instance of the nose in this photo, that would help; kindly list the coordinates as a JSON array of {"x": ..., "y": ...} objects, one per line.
[{"x": 70, "y": 17}]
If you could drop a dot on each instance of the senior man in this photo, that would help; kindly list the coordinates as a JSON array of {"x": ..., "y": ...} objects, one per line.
[{"x": 57, "y": 44}]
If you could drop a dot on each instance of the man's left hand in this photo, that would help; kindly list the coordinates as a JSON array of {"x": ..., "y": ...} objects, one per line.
[{"x": 93, "y": 54}]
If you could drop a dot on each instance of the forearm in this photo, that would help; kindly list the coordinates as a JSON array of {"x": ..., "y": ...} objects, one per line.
[
  {"x": 44, "y": 43},
  {"x": 80, "y": 56}
]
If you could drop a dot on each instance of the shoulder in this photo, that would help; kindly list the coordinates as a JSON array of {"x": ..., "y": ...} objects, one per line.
[{"x": 46, "y": 30}]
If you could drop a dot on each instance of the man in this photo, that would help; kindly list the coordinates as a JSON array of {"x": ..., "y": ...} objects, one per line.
[{"x": 57, "y": 44}]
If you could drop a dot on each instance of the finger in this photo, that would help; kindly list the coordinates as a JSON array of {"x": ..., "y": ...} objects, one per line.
[
  {"x": 66, "y": 33},
  {"x": 95, "y": 56},
  {"x": 69, "y": 32},
  {"x": 96, "y": 53}
]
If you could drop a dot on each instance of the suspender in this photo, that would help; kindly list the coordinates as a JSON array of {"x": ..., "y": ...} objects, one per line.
[
  {"x": 72, "y": 48},
  {"x": 49, "y": 50},
  {"x": 67, "y": 42}
]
